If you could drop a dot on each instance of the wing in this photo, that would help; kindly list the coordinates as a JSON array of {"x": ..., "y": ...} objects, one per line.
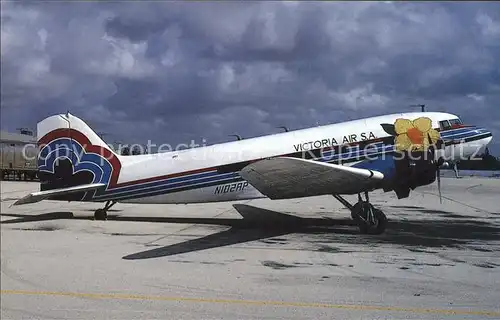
[
  {"x": 285, "y": 178},
  {"x": 41, "y": 195}
]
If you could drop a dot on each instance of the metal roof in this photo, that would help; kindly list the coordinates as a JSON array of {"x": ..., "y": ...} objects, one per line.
[{"x": 16, "y": 137}]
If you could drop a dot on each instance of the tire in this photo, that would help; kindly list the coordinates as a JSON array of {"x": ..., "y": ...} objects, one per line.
[
  {"x": 382, "y": 222},
  {"x": 364, "y": 228},
  {"x": 100, "y": 214}
]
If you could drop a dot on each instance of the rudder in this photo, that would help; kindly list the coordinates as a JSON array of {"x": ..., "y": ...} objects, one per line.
[{"x": 72, "y": 154}]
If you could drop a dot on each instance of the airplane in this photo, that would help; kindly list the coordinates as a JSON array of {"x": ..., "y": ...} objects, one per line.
[{"x": 397, "y": 152}]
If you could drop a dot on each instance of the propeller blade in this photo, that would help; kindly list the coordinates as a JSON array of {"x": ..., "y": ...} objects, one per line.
[
  {"x": 439, "y": 162},
  {"x": 438, "y": 173}
]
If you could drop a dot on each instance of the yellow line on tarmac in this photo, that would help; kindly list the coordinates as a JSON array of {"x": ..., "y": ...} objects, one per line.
[{"x": 251, "y": 302}]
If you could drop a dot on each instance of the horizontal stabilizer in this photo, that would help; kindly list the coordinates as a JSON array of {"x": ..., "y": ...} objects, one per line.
[
  {"x": 42, "y": 195},
  {"x": 286, "y": 178}
]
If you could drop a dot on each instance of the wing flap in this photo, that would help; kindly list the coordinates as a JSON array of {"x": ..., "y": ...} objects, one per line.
[
  {"x": 42, "y": 195},
  {"x": 285, "y": 178}
]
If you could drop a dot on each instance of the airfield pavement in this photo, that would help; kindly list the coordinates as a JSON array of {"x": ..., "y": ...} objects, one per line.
[{"x": 260, "y": 259}]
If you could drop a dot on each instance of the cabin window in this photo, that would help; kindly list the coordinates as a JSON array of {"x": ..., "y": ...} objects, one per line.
[{"x": 443, "y": 125}]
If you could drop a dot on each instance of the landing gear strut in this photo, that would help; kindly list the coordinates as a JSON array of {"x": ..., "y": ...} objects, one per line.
[
  {"x": 102, "y": 214},
  {"x": 368, "y": 219}
]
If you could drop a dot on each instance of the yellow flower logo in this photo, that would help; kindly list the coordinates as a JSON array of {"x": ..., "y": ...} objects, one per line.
[{"x": 415, "y": 135}]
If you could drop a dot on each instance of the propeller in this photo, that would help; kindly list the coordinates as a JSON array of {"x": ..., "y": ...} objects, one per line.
[
  {"x": 439, "y": 162},
  {"x": 438, "y": 177}
]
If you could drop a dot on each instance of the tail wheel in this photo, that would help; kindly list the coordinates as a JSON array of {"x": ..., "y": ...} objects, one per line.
[{"x": 100, "y": 214}]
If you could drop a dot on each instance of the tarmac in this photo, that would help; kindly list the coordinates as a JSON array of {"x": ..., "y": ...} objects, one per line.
[{"x": 259, "y": 259}]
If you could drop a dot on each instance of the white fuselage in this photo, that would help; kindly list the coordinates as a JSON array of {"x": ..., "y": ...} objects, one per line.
[{"x": 147, "y": 167}]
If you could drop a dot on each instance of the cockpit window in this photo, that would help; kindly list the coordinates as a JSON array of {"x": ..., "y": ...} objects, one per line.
[
  {"x": 445, "y": 124},
  {"x": 455, "y": 122},
  {"x": 448, "y": 124}
]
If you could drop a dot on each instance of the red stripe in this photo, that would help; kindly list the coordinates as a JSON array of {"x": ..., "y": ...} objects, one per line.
[
  {"x": 107, "y": 154},
  {"x": 168, "y": 176}
]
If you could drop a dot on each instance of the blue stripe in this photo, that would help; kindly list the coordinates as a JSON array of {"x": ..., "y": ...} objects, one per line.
[
  {"x": 162, "y": 181},
  {"x": 147, "y": 193},
  {"x": 461, "y": 131},
  {"x": 167, "y": 185},
  {"x": 455, "y": 131},
  {"x": 465, "y": 135}
]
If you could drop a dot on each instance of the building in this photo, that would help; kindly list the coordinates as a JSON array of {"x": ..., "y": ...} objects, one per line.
[{"x": 18, "y": 153}]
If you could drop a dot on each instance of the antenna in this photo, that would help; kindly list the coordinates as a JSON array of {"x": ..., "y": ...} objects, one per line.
[
  {"x": 236, "y": 135},
  {"x": 422, "y": 106},
  {"x": 283, "y": 127}
]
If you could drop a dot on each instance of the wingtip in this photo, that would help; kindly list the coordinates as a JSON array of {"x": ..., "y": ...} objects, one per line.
[
  {"x": 30, "y": 198},
  {"x": 20, "y": 202}
]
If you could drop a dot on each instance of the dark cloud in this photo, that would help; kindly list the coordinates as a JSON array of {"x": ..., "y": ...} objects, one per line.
[{"x": 179, "y": 71}]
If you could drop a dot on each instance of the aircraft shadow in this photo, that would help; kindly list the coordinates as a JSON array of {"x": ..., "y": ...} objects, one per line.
[{"x": 259, "y": 224}]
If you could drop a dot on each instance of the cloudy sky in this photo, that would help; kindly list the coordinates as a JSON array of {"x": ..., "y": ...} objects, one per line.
[{"x": 176, "y": 72}]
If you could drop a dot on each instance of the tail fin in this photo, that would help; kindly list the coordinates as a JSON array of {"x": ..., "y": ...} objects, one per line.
[
  {"x": 65, "y": 124},
  {"x": 72, "y": 154}
]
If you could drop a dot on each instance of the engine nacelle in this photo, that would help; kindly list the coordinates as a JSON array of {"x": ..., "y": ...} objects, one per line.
[{"x": 413, "y": 170}]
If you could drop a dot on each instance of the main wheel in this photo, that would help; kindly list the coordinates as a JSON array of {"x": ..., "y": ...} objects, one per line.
[
  {"x": 100, "y": 214},
  {"x": 380, "y": 222},
  {"x": 369, "y": 219}
]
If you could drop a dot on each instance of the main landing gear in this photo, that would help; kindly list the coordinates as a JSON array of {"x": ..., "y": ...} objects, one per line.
[
  {"x": 102, "y": 214},
  {"x": 368, "y": 219}
]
